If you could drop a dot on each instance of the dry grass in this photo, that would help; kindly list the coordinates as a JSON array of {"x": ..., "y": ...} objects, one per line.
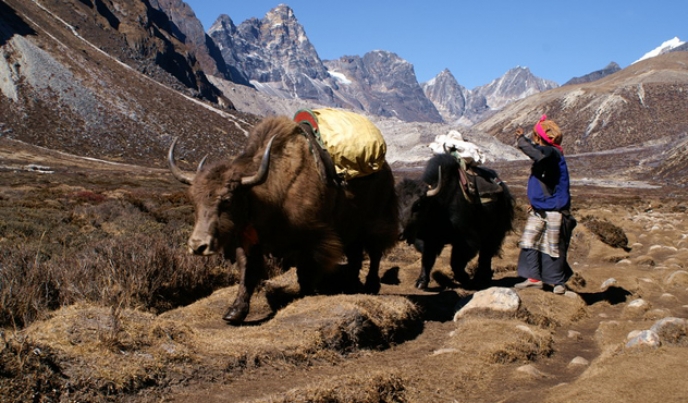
[
  {"x": 61, "y": 246},
  {"x": 510, "y": 340},
  {"x": 624, "y": 377},
  {"x": 382, "y": 387},
  {"x": 88, "y": 349},
  {"x": 607, "y": 232}
]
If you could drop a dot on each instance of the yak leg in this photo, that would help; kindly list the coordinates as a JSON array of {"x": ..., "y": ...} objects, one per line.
[
  {"x": 354, "y": 257},
  {"x": 252, "y": 268},
  {"x": 372, "y": 284},
  {"x": 306, "y": 271},
  {"x": 316, "y": 262},
  {"x": 429, "y": 255},
  {"x": 483, "y": 275},
  {"x": 458, "y": 261}
]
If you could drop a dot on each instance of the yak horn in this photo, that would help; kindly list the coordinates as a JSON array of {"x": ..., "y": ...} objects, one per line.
[
  {"x": 200, "y": 164},
  {"x": 436, "y": 190},
  {"x": 183, "y": 177},
  {"x": 262, "y": 173}
]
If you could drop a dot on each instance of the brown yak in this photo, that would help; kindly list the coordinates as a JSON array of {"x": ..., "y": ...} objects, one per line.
[{"x": 275, "y": 199}]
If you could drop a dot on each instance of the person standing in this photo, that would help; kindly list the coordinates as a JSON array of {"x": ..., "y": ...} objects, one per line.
[{"x": 545, "y": 239}]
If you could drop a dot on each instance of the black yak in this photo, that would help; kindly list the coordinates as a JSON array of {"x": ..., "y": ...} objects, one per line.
[
  {"x": 436, "y": 211},
  {"x": 274, "y": 199}
]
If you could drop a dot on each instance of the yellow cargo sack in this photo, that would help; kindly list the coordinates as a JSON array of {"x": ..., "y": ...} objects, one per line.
[{"x": 354, "y": 142}]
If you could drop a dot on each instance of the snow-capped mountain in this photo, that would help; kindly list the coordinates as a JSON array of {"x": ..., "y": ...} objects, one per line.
[{"x": 665, "y": 47}]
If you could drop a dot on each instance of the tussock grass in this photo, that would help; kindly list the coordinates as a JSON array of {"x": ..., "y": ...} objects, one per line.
[
  {"x": 510, "y": 340},
  {"x": 607, "y": 232},
  {"x": 379, "y": 387},
  {"x": 91, "y": 352}
]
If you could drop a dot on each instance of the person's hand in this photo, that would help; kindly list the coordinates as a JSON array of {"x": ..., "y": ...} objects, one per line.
[{"x": 518, "y": 132}]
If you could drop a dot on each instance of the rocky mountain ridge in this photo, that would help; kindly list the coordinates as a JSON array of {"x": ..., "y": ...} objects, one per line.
[
  {"x": 277, "y": 58},
  {"x": 611, "y": 68},
  {"x": 467, "y": 107},
  {"x": 110, "y": 83},
  {"x": 184, "y": 25}
]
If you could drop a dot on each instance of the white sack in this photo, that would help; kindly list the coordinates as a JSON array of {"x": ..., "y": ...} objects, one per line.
[{"x": 470, "y": 152}]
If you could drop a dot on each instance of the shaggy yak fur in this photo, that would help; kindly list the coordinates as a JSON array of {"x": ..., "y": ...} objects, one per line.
[
  {"x": 292, "y": 212},
  {"x": 429, "y": 222}
]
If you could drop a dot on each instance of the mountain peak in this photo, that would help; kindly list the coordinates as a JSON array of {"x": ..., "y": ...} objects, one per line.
[
  {"x": 223, "y": 22},
  {"x": 611, "y": 68},
  {"x": 520, "y": 68},
  {"x": 517, "y": 83},
  {"x": 665, "y": 47},
  {"x": 282, "y": 11}
]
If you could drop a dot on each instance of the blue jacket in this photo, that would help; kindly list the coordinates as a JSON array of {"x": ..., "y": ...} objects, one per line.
[{"x": 548, "y": 184}]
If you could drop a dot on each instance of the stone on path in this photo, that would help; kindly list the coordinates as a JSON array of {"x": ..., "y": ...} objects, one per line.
[
  {"x": 644, "y": 338},
  {"x": 579, "y": 361},
  {"x": 495, "y": 299}
]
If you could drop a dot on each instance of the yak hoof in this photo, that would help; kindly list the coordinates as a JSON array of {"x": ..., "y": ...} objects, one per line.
[
  {"x": 422, "y": 284},
  {"x": 235, "y": 316}
]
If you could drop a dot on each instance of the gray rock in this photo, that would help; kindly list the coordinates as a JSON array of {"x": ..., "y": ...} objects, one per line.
[
  {"x": 532, "y": 372},
  {"x": 679, "y": 277},
  {"x": 608, "y": 283},
  {"x": 666, "y": 297},
  {"x": 645, "y": 338},
  {"x": 445, "y": 351},
  {"x": 638, "y": 303},
  {"x": 657, "y": 313},
  {"x": 636, "y": 308},
  {"x": 670, "y": 324},
  {"x": 497, "y": 299},
  {"x": 579, "y": 361}
]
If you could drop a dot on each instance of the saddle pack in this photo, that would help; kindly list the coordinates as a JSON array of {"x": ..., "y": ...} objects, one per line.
[
  {"x": 479, "y": 184},
  {"x": 355, "y": 146}
]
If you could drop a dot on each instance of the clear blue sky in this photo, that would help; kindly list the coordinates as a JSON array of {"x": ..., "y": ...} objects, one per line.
[{"x": 478, "y": 41}]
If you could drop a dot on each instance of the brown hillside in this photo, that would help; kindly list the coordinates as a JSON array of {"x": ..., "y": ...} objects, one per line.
[
  {"x": 75, "y": 82},
  {"x": 641, "y": 103}
]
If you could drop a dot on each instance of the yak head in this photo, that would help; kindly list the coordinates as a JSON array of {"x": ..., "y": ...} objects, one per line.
[
  {"x": 415, "y": 197},
  {"x": 220, "y": 196}
]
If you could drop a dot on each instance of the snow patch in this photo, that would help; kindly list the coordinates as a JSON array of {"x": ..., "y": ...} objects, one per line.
[
  {"x": 341, "y": 78},
  {"x": 661, "y": 49}
]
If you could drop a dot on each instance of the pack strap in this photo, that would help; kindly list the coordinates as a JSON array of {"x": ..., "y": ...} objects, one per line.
[{"x": 323, "y": 159}]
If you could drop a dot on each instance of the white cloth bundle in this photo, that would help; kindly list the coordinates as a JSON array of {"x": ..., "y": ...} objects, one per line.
[{"x": 470, "y": 152}]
